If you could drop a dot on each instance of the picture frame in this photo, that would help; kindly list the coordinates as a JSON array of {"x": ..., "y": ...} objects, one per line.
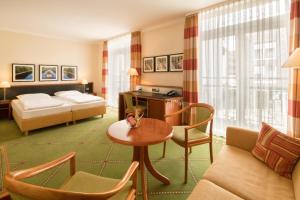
[
  {"x": 68, "y": 73},
  {"x": 23, "y": 72},
  {"x": 161, "y": 63},
  {"x": 48, "y": 72},
  {"x": 176, "y": 62},
  {"x": 148, "y": 64}
]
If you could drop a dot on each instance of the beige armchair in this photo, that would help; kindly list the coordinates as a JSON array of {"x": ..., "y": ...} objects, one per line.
[{"x": 200, "y": 116}]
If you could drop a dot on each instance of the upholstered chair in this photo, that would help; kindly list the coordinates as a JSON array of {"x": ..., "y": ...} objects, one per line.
[
  {"x": 129, "y": 104},
  {"x": 80, "y": 185},
  {"x": 199, "y": 116}
]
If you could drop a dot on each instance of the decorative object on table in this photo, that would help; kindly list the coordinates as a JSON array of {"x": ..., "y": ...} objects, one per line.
[
  {"x": 48, "y": 72},
  {"x": 23, "y": 72},
  {"x": 161, "y": 63},
  {"x": 84, "y": 82},
  {"x": 68, "y": 73},
  {"x": 4, "y": 85},
  {"x": 176, "y": 63},
  {"x": 132, "y": 72},
  {"x": 148, "y": 64},
  {"x": 134, "y": 119}
]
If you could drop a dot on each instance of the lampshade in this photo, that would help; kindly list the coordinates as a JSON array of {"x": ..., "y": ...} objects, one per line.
[
  {"x": 84, "y": 82},
  {"x": 294, "y": 60},
  {"x": 132, "y": 72},
  {"x": 4, "y": 84}
]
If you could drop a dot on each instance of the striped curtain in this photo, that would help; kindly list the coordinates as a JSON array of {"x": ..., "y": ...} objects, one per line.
[
  {"x": 135, "y": 57},
  {"x": 190, "y": 63},
  {"x": 104, "y": 69},
  {"x": 294, "y": 86}
]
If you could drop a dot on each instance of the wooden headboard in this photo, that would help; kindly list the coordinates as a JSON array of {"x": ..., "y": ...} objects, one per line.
[{"x": 50, "y": 89}]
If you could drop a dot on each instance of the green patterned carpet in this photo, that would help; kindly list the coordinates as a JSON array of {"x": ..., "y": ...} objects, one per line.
[{"x": 98, "y": 155}]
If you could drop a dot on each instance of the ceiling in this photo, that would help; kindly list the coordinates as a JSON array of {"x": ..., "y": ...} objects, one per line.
[{"x": 91, "y": 20}]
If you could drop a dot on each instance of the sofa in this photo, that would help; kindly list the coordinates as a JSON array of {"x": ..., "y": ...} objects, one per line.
[{"x": 237, "y": 174}]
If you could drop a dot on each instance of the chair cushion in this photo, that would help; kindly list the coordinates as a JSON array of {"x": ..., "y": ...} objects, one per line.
[
  {"x": 89, "y": 183},
  {"x": 279, "y": 151},
  {"x": 210, "y": 191},
  {"x": 237, "y": 171},
  {"x": 194, "y": 134}
]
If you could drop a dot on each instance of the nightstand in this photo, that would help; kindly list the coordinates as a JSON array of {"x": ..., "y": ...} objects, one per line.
[{"x": 5, "y": 108}]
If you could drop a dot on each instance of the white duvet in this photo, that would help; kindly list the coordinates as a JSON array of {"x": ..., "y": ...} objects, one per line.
[
  {"x": 32, "y": 104},
  {"x": 81, "y": 98}
]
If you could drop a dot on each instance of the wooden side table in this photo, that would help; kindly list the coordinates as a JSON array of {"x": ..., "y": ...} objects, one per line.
[
  {"x": 5, "y": 108},
  {"x": 150, "y": 131}
]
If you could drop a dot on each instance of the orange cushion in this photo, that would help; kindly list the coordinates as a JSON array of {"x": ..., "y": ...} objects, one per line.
[{"x": 279, "y": 151}]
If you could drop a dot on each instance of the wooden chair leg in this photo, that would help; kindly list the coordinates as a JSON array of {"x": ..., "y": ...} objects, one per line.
[
  {"x": 164, "y": 150},
  {"x": 190, "y": 150},
  {"x": 186, "y": 157},
  {"x": 211, "y": 152}
]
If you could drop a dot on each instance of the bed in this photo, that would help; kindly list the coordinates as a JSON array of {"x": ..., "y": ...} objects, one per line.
[
  {"x": 34, "y": 111},
  {"x": 82, "y": 105}
]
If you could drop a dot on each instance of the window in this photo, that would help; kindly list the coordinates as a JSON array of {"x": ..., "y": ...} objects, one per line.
[
  {"x": 118, "y": 66},
  {"x": 242, "y": 47}
]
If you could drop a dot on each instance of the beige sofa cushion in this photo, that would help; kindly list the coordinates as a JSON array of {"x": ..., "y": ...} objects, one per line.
[
  {"x": 296, "y": 180},
  {"x": 207, "y": 190},
  {"x": 237, "y": 171}
]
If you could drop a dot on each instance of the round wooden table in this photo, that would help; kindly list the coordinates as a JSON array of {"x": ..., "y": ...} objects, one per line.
[{"x": 150, "y": 131}]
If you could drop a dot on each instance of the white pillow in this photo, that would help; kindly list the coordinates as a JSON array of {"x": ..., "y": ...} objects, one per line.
[
  {"x": 25, "y": 97},
  {"x": 66, "y": 93}
]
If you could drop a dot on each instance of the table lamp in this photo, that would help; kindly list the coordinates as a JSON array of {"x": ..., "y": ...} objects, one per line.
[
  {"x": 84, "y": 82},
  {"x": 132, "y": 72},
  {"x": 4, "y": 85},
  {"x": 293, "y": 60}
]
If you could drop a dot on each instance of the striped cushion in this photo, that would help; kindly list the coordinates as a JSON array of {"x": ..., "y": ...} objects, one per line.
[{"x": 279, "y": 151}]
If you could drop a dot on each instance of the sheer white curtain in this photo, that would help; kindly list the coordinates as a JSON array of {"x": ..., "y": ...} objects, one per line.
[
  {"x": 242, "y": 47},
  {"x": 118, "y": 66}
]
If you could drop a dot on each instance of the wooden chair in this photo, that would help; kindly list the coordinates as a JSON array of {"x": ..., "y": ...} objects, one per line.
[
  {"x": 80, "y": 185},
  {"x": 193, "y": 134},
  {"x": 129, "y": 105}
]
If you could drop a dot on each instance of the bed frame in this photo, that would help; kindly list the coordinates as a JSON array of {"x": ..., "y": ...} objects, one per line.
[
  {"x": 30, "y": 124},
  {"x": 88, "y": 112}
]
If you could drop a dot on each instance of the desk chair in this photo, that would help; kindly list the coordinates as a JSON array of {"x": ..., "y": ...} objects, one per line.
[
  {"x": 187, "y": 136},
  {"x": 80, "y": 185},
  {"x": 130, "y": 107}
]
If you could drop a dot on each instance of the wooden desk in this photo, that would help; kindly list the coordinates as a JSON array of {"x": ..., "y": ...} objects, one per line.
[
  {"x": 150, "y": 131},
  {"x": 158, "y": 106}
]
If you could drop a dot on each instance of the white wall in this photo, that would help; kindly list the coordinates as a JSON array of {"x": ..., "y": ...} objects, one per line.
[{"x": 24, "y": 48}]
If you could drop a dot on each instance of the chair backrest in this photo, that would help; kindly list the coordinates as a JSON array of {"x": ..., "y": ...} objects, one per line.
[
  {"x": 128, "y": 102},
  {"x": 200, "y": 112},
  {"x": 296, "y": 180}
]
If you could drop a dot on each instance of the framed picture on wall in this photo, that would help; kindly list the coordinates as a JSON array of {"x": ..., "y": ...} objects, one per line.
[
  {"x": 68, "y": 73},
  {"x": 161, "y": 63},
  {"x": 176, "y": 62},
  {"x": 48, "y": 72},
  {"x": 23, "y": 72},
  {"x": 148, "y": 64}
]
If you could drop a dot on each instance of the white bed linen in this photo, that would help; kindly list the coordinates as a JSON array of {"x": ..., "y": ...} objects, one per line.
[
  {"x": 79, "y": 106},
  {"x": 78, "y": 97},
  {"x": 27, "y": 114},
  {"x": 33, "y": 104}
]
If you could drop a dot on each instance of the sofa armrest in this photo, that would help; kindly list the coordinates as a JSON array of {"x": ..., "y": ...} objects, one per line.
[{"x": 241, "y": 138}]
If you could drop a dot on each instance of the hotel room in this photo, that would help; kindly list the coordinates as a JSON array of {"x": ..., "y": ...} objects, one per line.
[{"x": 173, "y": 99}]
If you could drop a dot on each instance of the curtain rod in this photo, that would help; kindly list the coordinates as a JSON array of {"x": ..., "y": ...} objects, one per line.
[{"x": 211, "y": 6}]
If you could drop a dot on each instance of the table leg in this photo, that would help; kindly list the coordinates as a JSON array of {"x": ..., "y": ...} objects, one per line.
[
  {"x": 139, "y": 155},
  {"x": 152, "y": 170}
]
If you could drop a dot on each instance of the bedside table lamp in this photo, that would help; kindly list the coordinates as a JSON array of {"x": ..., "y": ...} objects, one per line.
[
  {"x": 4, "y": 85},
  {"x": 132, "y": 72},
  {"x": 84, "y": 82}
]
